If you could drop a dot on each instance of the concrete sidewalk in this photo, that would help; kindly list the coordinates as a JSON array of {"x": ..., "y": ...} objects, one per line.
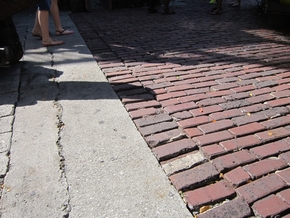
[{"x": 69, "y": 148}]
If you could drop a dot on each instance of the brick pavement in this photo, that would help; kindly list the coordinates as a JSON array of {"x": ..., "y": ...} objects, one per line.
[{"x": 210, "y": 95}]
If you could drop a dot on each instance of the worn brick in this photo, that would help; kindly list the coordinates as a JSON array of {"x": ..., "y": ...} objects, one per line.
[
  {"x": 149, "y": 120},
  {"x": 244, "y": 88},
  {"x": 192, "y": 122},
  {"x": 275, "y": 112},
  {"x": 205, "y": 110},
  {"x": 285, "y": 195},
  {"x": 232, "y": 209},
  {"x": 260, "y": 98},
  {"x": 260, "y": 91},
  {"x": 156, "y": 128},
  {"x": 210, "y": 101},
  {"x": 229, "y": 161},
  {"x": 219, "y": 93},
  {"x": 204, "y": 84},
  {"x": 224, "y": 86},
  {"x": 192, "y": 98},
  {"x": 285, "y": 156},
  {"x": 262, "y": 187},
  {"x": 139, "y": 105},
  {"x": 213, "y": 138},
  {"x": 281, "y": 94},
  {"x": 170, "y": 95},
  {"x": 181, "y": 115},
  {"x": 180, "y": 107},
  {"x": 216, "y": 126},
  {"x": 164, "y": 137},
  {"x": 192, "y": 132},
  {"x": 226, "y": 114},
  {"x": 212, "y": 151},
  {"x": 236, "y": 96},
  {"x": 143, "y": 112},
  {"x": 237, "y": 177},
  {"x": 194, "y": 177},
  {"x": 276, "y": 122},
  {"x": 249, "y": 118},
  {"x": 234, "y": 104},
  {"x": 247, "y": 129},
  {"x": 273, "y": 134},
  {"x": 278, "y": 102},
  {"x": 254, "y": 108},
  {"x": 263, "y": 167},
  {"x": 263, "y": 84},
  {"x": 169, "y": 102},
  {"x": 174, "y": 149},
  {"x": 183, "y": 163},
  {"x": 270, "y": 149},
  {"x": 239, "y": 143},
  {"x": 270, "y": 206},
  {"x": 208, "y": 194}
]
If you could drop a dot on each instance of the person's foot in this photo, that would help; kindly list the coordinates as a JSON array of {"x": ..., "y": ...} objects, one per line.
[
  {"x": 63, "y": 32},
  {"x": 52, "y": 42},
  {"x": 36, "y": 34}
]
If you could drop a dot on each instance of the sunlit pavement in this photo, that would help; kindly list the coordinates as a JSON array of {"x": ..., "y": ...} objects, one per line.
[{"x": 209, "y": 94}]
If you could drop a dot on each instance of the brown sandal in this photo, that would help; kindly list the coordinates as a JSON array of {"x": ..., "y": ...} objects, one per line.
[{"x": 63, "y": 32}]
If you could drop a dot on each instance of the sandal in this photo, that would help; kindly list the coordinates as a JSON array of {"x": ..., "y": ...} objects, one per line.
[
  {"x": 167, "y": 12},
  {"x": 215, "y": 12},
  {"x": 63, "y": 32},
  {"x": 53, "y": 42}
]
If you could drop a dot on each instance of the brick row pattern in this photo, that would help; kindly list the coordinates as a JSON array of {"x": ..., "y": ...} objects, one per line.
[{"x": 210, "y": 97}]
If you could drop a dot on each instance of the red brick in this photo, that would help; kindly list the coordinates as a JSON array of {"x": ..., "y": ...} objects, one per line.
[
  {"x": 270, "y": 149},
  {"x": 229, "y": 161},
  {"x": 216, "y": 126},
  {"x": 249, "y": 118},
  {"x": 275, "y": 112},
  {"x": 244, "y": 88},
  {"x": 212, "y": 151},
  {"x": 262, "y": 187},
  {"x": 192, "y": 122},
  {"x": 247, "y": 129},
  {"x": 197, "y": 91},
  {"x": 281, "y": 87},
  {"x": 236, "y": 96},
  {"x": 219, "y": 93},
  {"x": 204, "y": 84},
  {"x": 210, "y": 101},
  {"x": 181, "y": 115},
  {"x": 169, "y": 102},
  {"x": 140, "y": 105},
  {"x": 250, "y": 75},
  {"x": 261, "y": 91},
  {"x": 281, "y": 94},
  {"x": 284, "y": 75},
  {"x": 208, "y": 194},
  {"x": 205, "y": 110},
  {"x": 264, "y": 167},
  {"x": 285, "y": 156},
  {"x": 273, "y": 134},
  {"x": 180, "y": 107},
  {"x": 239, "y": 143},
  {"x": 285, "y": 175},
  {"x": 254, "y": 108},
  {"x": 137, "y": 98},
  {"x": 260, "y": 98},
  {"x": 173, "y": 149},
  {"x": 276, "y": 122},
  {"x": 224, "y": 86},
  {"x": 226, "y": 114},
  {"x": 237, "y": 177},
  {"x": 278, "y": 102},
  {"x": 269, "y": 206},
  {"x": 192, "y": 132},
  {"x": 213, "y": 138},
  {"x": 194, "y": 177},
  {"x": 191, "y": 98},
  {"x": 285, "y": 195},
  {"x": 234, "y": 208},
  {"x": 170, "y": 95},
  {"x": 149, "y": 120},
  {"x": 143, "y": 112},
  {"x": 179, "y": 87},
  {"x": 164, "y": 137},
  {"x": 234, "y": 104},
  {"x": 157, "y": 127}
]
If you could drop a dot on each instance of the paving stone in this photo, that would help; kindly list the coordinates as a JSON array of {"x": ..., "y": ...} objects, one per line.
[
  {"x": 205, "y": 110},
  {"x": 237, "y": 177},
  {"x": 239, "y": 143},
  {"x": 213, "y": 138},
  {"x": 276, "y": 122},
  {"x": 264, "y": 167},
  {"x": 183, "y": 163},
  {"x": 216, "y": 126},
  {"x": 139, "y": 105},
  {"x": 212, "y": 151},
  {"x": 208, "y": 195},
  {"x": 143, "y": 112},
  {"x": 194, "y": 177},
  {"x": 272, "y": 134},
  {"x": 5, "y": 142},
  {"x": 274, "y": 205},
  {"x": 6, "y": 124},
  {"x": 260, "y": 188},
  {"x": 149, "y": 120},
  {"x": 226, "y": 114},
  {"x": 193, "y": 132},
  {"x": 231, "y": 209},
  {"x": 260, "y": 98},
  {"x": 164, "y": 137},
  {"x": 234, "y": 104},
  {"x": 194, "y": 98},
  {"x": 173, "y": 149},
  {"x": 180, "y": 107},
  {"x": 232, "y": 160},
  {"x": 278, "y": 102},
  {"x": 270, "y": 149},
  {"x": 157, "y": 128},
  {"x": 285, "y": 156},
  {"x": 4, "y": 163},
  {"x": 249, "y": 118},
  {"x": 170, "y": 95},
  {"x": 247, "y": 129},
  {"x": 192, "y": 122}
]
